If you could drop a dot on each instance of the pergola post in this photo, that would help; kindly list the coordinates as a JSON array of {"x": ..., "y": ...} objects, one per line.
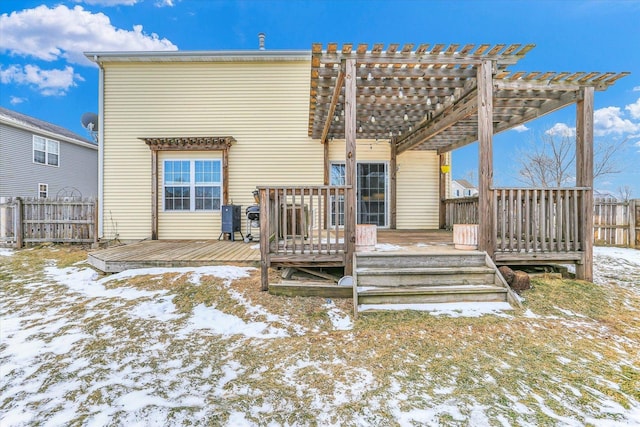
[
  {"x": 350, "y": 164},
  {"x": 442, "y": 192},
  {"x": 486, "y": 239},
  {"x": 393, "y": 185},
  {"x": 584, "y": 178}
]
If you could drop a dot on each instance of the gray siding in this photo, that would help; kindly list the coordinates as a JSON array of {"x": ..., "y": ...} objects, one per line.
[{"x": 20, "y": 176}]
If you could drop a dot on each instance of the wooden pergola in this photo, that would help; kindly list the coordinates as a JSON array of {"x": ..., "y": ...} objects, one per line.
[
  {"x": 439, "y": 97},
  {"x": 189, "y": 143}
]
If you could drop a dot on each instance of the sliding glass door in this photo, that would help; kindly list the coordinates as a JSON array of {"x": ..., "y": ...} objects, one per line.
[{"x": 371, "y": 194}]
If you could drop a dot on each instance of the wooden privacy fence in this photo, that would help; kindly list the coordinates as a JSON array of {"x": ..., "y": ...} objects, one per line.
[
  {"x": 616, "y": 222},
  {"x": 34, "y": 220}
]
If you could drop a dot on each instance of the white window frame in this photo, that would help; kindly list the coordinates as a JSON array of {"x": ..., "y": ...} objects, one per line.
[
  {"x": 40, "y": 191},
  {"x": 48, "y": 143},
  {"x": 192, "y": 184}
]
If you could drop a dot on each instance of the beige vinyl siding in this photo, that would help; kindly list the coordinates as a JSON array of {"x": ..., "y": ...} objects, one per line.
[
  {"x": 416, "y": 180},
  {"x": 418, "y": 186},
  {"x": 263, "y": 105}
]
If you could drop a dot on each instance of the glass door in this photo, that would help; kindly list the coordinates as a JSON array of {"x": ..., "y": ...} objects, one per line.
[{"x": 371, "y": 194}]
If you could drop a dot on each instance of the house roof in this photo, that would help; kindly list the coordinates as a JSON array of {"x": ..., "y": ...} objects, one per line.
[
  {"x": 31, "y": 124},
  {"x": 200, "y": 56},
  {"x": 464, "y": 183},
  {"x": 426, "y": 98}
]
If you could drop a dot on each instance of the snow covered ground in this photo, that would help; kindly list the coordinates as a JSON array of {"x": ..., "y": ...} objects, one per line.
[{"x": 78, "y": 349}]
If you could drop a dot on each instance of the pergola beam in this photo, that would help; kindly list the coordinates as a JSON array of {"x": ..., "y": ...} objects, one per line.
[
  {"x": 449, "y": 116},
  {"x": 332, "y": 106}
]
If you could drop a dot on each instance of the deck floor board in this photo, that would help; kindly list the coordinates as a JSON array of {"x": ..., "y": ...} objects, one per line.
[{"x": 185, "y": 253}]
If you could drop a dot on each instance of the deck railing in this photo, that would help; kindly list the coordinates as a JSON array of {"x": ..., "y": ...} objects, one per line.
[
  {"x": 461, "y": 210},
  {"x": 302, "y": 225},
  {"x": 539, "y": 219}
]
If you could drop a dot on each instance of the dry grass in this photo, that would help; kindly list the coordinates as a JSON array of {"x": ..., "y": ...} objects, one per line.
[{"x": 571, "y": 355}]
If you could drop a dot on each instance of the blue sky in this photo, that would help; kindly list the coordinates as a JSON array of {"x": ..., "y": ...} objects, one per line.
[{"x": 44, "y": 74}]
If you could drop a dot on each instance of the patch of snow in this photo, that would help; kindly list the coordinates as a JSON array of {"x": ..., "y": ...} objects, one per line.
[
  {"x": 462, "y": 309},
  {"x": 218, "y": 322},
  {"x": 386, "y": 247},
  {"x": 340, "y": 322},
  {"x": 225, "y": 272},
  {"x": 6, "y": 252},
  {"x": 631, "y": 256}
]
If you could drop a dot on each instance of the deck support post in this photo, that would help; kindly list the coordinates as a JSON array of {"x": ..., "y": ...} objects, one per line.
[
  {"x": 350, "y": 164},
  {"x": 393, "y": 185},
  {"x": 486, "y": 239},
  {"x": 265, "y": 235},
  {"x": 584, "y": 178}
]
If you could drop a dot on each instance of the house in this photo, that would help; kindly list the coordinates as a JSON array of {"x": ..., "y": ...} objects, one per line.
[
  {"x": 40, "y": 159},
  {"x": 332, "y": 138},
  {"x": 463, "y": 188}
]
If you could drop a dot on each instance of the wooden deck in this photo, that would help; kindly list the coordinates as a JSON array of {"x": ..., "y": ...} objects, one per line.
[
  {"x": 174, "y": 253},
  {"x": 195, "y": 253}
]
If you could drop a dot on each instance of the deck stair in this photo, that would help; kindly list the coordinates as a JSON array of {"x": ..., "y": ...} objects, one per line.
[{"x": 389, "y": 281}]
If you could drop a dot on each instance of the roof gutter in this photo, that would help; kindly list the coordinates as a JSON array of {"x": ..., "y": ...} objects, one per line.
[
  {"x": 100, "y": 149},
  {"x": 43, "y": 132},
  {"x": 200, "y": 56}
]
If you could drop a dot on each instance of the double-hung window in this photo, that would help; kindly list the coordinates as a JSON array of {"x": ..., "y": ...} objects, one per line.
[
  {"x": 192, "y": 185},
  {"x": 46, "y": 151}
]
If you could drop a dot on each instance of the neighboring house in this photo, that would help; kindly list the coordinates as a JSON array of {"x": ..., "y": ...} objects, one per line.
[
  {"x": 463, "y": 188},
  {"x": 40, "y": 159}
]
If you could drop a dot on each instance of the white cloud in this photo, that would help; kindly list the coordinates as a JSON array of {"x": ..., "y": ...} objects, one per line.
[
  {"x": 608, "y": 120},
  {"x": 636, "y": 89},
  {"x": 561, "y": 129},
  {"x": 634, "y": 109},
  {"x": 56, "y": 33},
  {"x": 15, "y": 100},
  {"x": 520, "y": 128},
  {"x": 48, "y": 82},
  {"x": 111, "y": 2},
  {"x": 166, "y": 3}
]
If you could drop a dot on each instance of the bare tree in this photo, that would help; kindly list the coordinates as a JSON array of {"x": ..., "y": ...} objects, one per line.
[
  {"x": 624, "y": 192},
  {"x": 550, "y": 161},
  {"x": 547, "y": 162}
]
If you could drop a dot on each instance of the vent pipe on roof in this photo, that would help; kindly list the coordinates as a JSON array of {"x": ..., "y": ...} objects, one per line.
[{"x": 261, "y": 40}]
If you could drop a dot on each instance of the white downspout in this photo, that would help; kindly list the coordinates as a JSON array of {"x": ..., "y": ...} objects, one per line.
[{"x": 100, "y": 148}]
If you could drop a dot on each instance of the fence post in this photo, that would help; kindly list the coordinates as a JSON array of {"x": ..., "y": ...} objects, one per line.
[
  {"x": 632, "y": 222},
  {"x": 19, "y": 218}
]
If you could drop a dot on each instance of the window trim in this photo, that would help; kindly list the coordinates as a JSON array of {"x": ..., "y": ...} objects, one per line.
[
  {"x": 46, "y": 151},
  {"x": 192, "y": 184},
  {"x": 46, "y": 190}
]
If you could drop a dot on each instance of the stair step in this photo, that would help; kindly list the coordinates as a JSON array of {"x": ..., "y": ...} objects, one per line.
[
  {"x": 431, "y": 294},
  {"x": 479, "y": 307},
  {"x": 385, "y": 259},
  {"x": 423, "y": 290},
  {"x": 424, "y": 276}
]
